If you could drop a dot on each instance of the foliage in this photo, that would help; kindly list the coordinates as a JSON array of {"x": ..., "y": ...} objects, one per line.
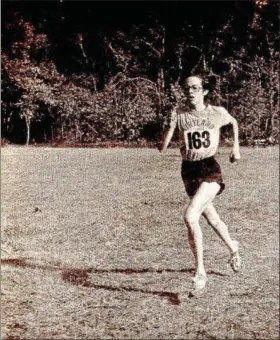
[
  {"x": 33, "y": 84},
  {"x": 119, "y": 112},
  {"x": 126, "y": 80},
  {"x": 256, "y": 101}
]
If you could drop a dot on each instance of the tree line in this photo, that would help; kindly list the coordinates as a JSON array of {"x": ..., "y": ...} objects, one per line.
[{"x": 74, "y": 73}]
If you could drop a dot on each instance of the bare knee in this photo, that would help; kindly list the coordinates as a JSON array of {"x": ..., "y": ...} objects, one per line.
[{"x": 191, "y": 218}]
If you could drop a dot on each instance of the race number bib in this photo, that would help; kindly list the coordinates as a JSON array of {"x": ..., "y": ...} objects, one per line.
[{"x": 198, "y": 139}]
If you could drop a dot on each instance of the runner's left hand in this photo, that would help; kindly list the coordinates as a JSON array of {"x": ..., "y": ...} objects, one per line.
[{"x": 234, "y": 156}]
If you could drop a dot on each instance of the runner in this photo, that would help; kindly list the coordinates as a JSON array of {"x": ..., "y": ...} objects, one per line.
[{"x": 199, "y": 133}]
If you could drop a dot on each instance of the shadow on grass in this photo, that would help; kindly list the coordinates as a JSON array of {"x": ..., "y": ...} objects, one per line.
[{"x": 80, "y": 277}]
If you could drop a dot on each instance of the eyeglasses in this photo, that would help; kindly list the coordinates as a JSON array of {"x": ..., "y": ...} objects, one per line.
[{"x": 195, "y": 88}]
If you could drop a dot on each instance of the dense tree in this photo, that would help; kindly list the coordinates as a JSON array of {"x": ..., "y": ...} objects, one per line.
[{"x": 97, "y": 71}]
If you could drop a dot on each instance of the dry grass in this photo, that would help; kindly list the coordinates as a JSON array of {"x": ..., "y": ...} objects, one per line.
[{"x": 94, "y": 246}]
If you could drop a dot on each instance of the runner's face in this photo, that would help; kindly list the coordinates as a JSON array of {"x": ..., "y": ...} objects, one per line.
[{"x": 194, "y": 91}]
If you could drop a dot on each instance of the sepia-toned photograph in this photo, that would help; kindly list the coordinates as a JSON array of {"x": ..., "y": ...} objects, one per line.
[{"x": 140, "y": 169}]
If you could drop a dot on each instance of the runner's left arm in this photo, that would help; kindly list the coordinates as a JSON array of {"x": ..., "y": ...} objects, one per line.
[
  {"x": 228, "y": 119},
  {"x": 235, "y": 154}
]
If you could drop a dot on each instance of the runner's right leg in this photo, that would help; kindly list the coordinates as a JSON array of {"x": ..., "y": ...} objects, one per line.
[{"x": 204, "y": 195}]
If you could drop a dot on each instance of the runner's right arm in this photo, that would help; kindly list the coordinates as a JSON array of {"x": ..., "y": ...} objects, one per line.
[{"x": 167, "y": 135}]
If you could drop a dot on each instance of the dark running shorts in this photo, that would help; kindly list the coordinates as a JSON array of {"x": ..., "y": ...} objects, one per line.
[{"x": 206, "y": 170}]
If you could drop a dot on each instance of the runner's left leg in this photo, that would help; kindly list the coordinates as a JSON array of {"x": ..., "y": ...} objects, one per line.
[{"x": 219, "y": 226}]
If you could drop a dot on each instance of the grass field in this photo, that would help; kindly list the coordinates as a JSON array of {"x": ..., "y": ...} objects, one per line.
[{"x": 94, "y": 247}]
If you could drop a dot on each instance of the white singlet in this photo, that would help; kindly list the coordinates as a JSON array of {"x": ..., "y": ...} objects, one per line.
[{"x": 199, "y": 132}]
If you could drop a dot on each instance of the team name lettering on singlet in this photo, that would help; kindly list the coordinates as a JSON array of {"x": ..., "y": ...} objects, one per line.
[{"x": 187, "y": 124}]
